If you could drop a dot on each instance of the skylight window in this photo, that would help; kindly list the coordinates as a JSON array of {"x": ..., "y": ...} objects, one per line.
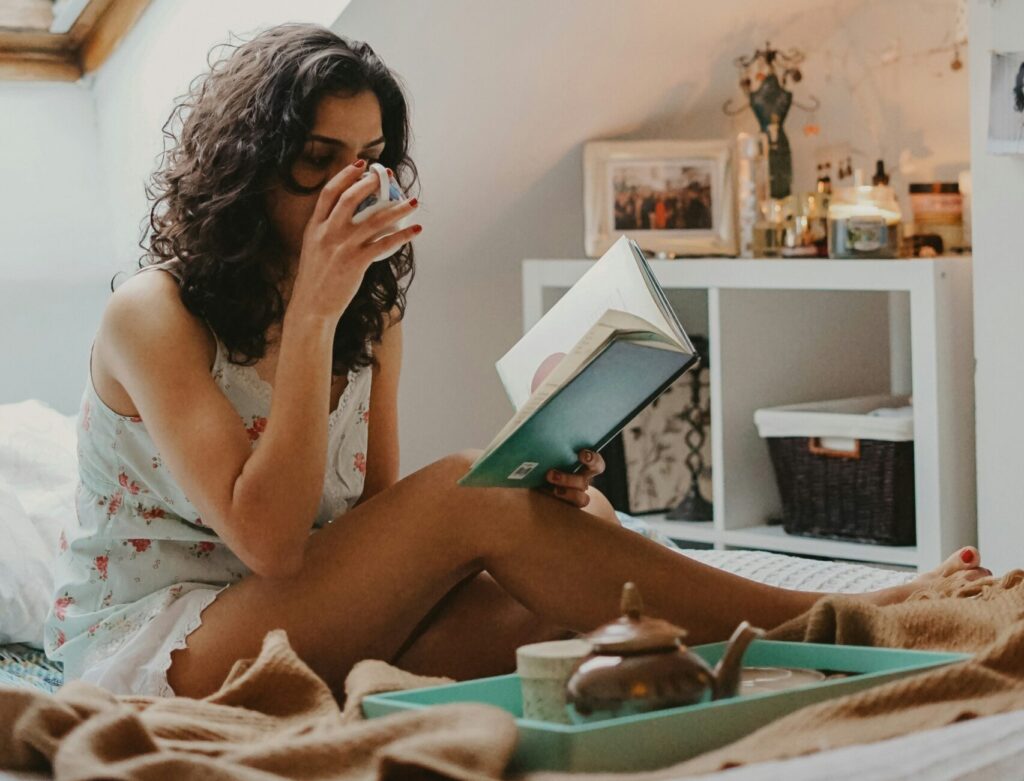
[
  {"x": 65, "y": 14},
  {"x": 61, "y": 39}
]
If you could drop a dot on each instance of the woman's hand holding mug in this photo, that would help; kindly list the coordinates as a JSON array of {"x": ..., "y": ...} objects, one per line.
[{"x": 338, "y": 247}]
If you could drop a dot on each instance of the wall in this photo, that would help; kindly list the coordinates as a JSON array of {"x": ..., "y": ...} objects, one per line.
[
  {"x": 53, "y": 238},
  {"x": 505, "y": 94},
  {"x": 998, "y": 301},
  {"x": 74, "y": 158},
  {"x": 135, "y": 90},
  {"x": 50, "y": 176}
]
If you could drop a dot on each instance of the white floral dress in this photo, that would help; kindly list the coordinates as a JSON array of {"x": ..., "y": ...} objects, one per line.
[{"x": 136, "y": 571}]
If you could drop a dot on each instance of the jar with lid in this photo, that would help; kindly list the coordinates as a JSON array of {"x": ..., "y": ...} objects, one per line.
[
  {"x": 938, "y": 210},
  {"x": 864, "y": 222}
]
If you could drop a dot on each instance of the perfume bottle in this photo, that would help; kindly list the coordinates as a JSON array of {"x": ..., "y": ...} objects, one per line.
[{"x": 752, "y": 183}]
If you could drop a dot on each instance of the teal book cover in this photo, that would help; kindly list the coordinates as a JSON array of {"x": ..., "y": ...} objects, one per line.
[{"x": 586, "y": 413}]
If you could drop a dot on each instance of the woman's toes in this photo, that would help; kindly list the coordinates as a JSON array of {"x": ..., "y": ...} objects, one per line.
[
  {"x": 965, "y": 558},
  {"x": 969, "y": 575}
]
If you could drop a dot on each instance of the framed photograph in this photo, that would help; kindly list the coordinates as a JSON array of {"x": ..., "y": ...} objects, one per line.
[
  {"x": 1006, "y": 104},
  {"x": 675, "y": 198}
]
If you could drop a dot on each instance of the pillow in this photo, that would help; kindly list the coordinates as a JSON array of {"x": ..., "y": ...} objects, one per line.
[
  {"x": 39, "y": 463},
  {"x": 38, "y": 475},
  {"x": 26, "y": 574}
]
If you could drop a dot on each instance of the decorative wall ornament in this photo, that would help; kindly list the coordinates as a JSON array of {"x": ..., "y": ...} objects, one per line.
[
  {"x": 767, "y": 96},
  {"x": 697, "y": 418},
  {"x": 662, "y": 448}
]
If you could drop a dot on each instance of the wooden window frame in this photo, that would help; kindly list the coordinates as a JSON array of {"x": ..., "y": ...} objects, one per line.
[{"x": 41, "y": 55}]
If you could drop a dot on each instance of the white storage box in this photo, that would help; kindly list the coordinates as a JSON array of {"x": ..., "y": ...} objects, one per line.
[{"x": 845, "y": 468}]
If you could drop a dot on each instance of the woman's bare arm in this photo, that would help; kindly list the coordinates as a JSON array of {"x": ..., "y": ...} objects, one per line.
[
  {"x": 382, "y": 460},
  {"x": 261, "y": 502}
]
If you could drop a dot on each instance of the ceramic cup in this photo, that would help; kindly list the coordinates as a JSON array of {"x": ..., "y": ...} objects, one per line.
[
  {"x": 387, "y": 194},
  {"x": 544, "y": 669}
]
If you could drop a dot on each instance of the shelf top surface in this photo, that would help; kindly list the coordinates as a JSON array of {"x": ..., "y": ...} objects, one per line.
[{"x": 908, "y": 274}]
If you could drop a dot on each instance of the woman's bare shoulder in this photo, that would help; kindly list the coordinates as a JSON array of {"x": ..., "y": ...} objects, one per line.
[
  {"x": 148, "y": 310},
  {"x": 146, "y": 321}
]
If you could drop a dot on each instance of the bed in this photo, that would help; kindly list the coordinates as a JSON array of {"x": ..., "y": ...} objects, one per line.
[
  {"x": 22, "y": 665},
  {"x": 37, "y": 456}
]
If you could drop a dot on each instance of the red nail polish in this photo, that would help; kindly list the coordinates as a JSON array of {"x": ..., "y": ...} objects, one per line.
[
  {"x": 967, "y": 556},
  {"x": 414, "y": 201},
  {"x": 390, "y": 172},
  {"x": 360, "y": 164},
  {"x": 417, "y": 228}
]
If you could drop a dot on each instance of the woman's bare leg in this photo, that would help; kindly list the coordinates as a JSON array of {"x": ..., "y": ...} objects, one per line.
[
  {"x": 474, "y": 632},
  {"x": 449, "y": 640},
  {"x": 371, "y": 577}
]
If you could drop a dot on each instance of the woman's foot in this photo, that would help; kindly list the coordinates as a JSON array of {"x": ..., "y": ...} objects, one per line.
[{"x": 962, "y": 567}]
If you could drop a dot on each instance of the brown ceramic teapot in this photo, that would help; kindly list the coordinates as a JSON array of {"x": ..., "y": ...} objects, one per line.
[{"x": 639, "y": 664}]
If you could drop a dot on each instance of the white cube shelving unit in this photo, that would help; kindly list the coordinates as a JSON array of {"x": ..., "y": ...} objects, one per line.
[{"x": 791, "y": 331}]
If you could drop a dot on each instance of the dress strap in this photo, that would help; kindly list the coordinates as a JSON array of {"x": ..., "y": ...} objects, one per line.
[{"x": 171, "y": 266}]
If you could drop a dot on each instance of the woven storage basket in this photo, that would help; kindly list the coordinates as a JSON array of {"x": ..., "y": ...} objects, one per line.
[{"x": 842, "y": 473}]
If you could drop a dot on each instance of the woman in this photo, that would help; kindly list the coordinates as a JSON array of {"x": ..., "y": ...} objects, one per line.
[{"x": 212, "y": 510}]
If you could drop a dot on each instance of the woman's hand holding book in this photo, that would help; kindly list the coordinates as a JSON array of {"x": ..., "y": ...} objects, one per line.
[{"x": 571, "y": 487}]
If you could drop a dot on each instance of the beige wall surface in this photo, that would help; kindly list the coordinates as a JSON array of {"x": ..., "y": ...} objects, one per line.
[{"x": 504, "y": 94}]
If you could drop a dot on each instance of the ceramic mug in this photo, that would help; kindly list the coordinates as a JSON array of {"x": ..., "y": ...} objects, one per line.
[
  {"x": 387, "y": 194},
  {"x": 543, "y": 670}
]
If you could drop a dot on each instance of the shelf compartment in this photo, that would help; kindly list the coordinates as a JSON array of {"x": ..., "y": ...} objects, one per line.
[
  {"x": 778, "y": 347},
  {"x": 912, "y": 334}
]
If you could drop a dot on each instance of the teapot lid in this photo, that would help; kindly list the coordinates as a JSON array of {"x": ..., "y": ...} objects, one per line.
[{"x": 633, "y": 632}]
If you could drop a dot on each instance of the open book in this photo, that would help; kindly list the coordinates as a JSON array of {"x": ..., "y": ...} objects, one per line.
[{"x": 601, "y": 354}]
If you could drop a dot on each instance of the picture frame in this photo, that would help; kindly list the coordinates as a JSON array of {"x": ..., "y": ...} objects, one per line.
[
  {"x": 1006, "y": 104},
  {"x": 674, "y": 198}
]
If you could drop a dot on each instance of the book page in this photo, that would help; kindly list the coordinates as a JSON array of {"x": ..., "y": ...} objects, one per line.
[
  {"x": 613, "y": 282},
  {"x": 669, "y": 323}
]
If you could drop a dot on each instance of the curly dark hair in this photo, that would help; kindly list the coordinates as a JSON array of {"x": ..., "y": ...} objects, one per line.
[{"x": 241, "y": 127}]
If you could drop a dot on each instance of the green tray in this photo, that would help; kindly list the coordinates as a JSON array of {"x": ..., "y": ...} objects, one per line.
[{"x": 665, "y": 737}]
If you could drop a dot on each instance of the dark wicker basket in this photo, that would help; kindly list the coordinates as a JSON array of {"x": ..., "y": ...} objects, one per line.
[{"x": 868, "y": 497}]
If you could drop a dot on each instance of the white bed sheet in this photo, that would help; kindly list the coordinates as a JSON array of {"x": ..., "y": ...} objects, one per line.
[{"x": 991, "y": 748}]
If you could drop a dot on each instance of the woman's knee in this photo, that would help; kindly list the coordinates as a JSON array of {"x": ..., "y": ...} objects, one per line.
[
  {"x": 449, "y": 469},
  {"x": 476, "y": 504}
]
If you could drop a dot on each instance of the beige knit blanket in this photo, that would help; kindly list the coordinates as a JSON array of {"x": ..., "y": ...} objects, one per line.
[{"x": 274, "y": 718}]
